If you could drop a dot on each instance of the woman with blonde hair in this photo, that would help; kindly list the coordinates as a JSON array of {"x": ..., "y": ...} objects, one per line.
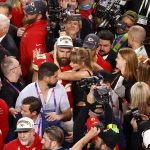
[
  {"x": 81, "y": 64},
  {"x": 140, "y": 92}
]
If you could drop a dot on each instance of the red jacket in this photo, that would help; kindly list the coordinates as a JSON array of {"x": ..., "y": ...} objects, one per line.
[
  {"x": 16, "y": 145},
  {"x": 4, "y": 112},
  {"x": 32, "y": 40},
  {"x": 104, "y": 64}
]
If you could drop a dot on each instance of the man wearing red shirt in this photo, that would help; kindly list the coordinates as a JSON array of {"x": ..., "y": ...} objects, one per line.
[
  {"x": 33, "y": 39},
  {"x": 61, "y": 57},
  {"x": 27, "y": 138}
]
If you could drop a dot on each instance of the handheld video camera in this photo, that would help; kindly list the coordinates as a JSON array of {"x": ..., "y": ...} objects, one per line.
[
  {"x": 134, "y": 113},
  {"x": 101, "y": 93}
]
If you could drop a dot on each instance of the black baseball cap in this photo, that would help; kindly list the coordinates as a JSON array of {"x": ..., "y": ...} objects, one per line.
[
  {"x": 34, "y": 7},
  {"x": 91, "y": 41},
  {"x": 109, "y": 137}
]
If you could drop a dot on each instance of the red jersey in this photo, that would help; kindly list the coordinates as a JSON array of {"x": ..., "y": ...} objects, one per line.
[
  {"x": 16, "y": 145},
  {"x": 104, "y": 64},
  {"x": 48, "y": 57},
  {"x": 33, "y": 40},
  {"x": 4, "y": 112}
]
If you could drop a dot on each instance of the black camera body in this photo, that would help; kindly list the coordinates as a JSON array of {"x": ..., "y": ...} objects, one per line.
[
  {"x": 101, "y": 93},
  {"x": 134, "y": 113},
  {"x": 110, "y": 14},
  {"x": 89, "y": 81}
]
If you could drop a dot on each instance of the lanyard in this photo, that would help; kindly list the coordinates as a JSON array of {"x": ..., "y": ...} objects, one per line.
[
  {"x": 39, "y": 124},
  {"x": 39, "y": 97},
  {"x": 142, "y": 4},
  {"x": 14, "y": 87}
]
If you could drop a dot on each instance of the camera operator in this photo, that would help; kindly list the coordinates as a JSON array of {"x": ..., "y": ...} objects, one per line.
[
  {"x": 142, "y": 8},
  {"x": 102, "y": 111},
  {"x": 129, "y": 18},
  {"x": 140, "y": 93},
  {"x": 58, "y": 12}
]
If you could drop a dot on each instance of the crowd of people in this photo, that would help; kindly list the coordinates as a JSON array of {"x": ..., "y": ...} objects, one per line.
[{"x": 67, "y": 82}]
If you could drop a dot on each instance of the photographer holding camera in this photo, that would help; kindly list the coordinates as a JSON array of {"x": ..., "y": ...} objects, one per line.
[
  {"x": 128, "y": 19},
  {"x": 100, "y": 108},
  {"x": 139, "y": 111}
]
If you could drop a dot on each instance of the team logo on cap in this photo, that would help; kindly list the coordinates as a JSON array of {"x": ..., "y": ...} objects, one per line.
[{"x": 90, "y": 39}]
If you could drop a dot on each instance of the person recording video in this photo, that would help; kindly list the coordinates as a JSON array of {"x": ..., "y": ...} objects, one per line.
[
  {"x": 96, "y": 108},
  {"x": 140, "y": 111}
]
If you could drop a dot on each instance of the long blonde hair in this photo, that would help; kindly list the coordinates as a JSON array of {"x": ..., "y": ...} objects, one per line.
[
  {"x": 81, "y": 55},
  {"x": 139, "y": 93}
]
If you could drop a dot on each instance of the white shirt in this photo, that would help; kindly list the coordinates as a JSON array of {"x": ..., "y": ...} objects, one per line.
[
  {"x": 59, "y": 94},
  {"x": 1, "y": 38}
]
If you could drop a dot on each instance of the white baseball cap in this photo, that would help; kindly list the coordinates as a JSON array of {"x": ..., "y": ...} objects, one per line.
[
  {"x": 65, "y": 42},
  {"x": 146, "y": 138},
  {"x": 24, "y": 124}
]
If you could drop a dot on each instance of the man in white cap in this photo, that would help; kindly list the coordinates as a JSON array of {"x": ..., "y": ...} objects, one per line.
[
  {"x": 27, "y": 138},
  {"x": 60, "y": 56}
]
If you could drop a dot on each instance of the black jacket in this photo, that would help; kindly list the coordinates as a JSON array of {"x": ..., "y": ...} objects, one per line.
[
  {"x": 9, "y": 44},
  {"x": 13, "y": 32},
  {"x": 111, "y": 58}
]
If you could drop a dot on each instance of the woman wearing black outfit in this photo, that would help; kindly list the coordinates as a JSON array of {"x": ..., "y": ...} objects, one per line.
[
  {"x": 82, "y": 68},
  {"x": 126, "y": 63}
]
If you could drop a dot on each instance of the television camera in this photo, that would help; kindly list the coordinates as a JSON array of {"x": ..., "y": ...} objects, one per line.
[
  {"x": 109, "y": 12},
  {"x": 101, "y": 93}
]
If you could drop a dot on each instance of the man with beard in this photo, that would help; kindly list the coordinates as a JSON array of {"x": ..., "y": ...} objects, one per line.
[
  {"x": 33, "y": 39},
  {"x": 51, "y": 94},
  {"x": 60, "y": 56},
  {"x": 106, "y": 39},
  {"x": 27, "y": 138}
]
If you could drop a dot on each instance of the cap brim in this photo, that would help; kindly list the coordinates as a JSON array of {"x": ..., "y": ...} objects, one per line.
[
  {"x": 23, "y": 130},
  {"x": 64, "y": 46},
  {"x": 88, "y": 46}
]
